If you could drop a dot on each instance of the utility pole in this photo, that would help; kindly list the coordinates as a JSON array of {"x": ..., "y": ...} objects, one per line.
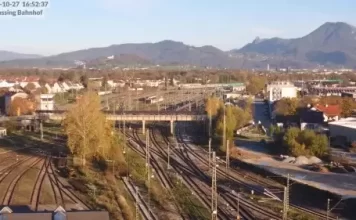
[
  {"x": 209, "y": 154},
  {"x": 224, "y": 131},
  {"x": 130, "y": 100},
  {"x": 214, "y": 198},
  {"x": 328, "y": 209},
  {"x": 136, "y": 204},
  {"x": 147, "y": 151},
  {"x": 107, "y": 98},
  {"x": 168, "y": 157},
  {"x": 136, "y": 100},
  {"x": 113, "y": 113},
  {"x": 210, "y": 123},
  {"x": 149, "y": 186},
  {"x": 286, "y": 199},
  {"x": 227, "y": 158},
  {"x": 41, "y": 128}
]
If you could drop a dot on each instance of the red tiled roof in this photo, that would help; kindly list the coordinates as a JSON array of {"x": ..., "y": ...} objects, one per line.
[{"x": 329, "y": 110}]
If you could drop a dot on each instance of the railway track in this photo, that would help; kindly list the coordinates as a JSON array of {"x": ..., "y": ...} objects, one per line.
[
  {"x": 11, "y": 187},
  {"x": 202, "y": 191},
  {"x": 145, "y": 211},
  {"x": 35, "y": 196},
  {"x": 64, "y": 191},
  {"x": 235, "y": 173}
]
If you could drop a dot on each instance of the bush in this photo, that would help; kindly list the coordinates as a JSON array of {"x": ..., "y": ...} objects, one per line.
[{"x": 305, "y": 142}]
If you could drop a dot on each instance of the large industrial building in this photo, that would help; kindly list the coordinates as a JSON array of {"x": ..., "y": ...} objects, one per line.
[{"x": 344, "y": 127}]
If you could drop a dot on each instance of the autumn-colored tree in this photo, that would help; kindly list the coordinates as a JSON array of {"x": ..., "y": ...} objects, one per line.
[
  {"x": 212, "y": 106},
  {"x": 90, "y": 135},
  {"x": 347, "y": 104},
  {"x": 30, "y": 87},
  {"x": 235, "y": 118},
  {"x": 20, "y": 106},
  {"x": 347, "y": 107},
  {"x": 43, "y": 90},
  {"x": 286, "y": 106},
  {"x": 255, "y": 85}
]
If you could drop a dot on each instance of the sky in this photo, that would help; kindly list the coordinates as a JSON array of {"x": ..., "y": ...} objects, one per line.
[{"x": 69, "y": 25}]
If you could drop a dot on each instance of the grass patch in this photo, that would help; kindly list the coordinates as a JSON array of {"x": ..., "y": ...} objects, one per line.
[
  {"x": 276, "y": 206},
  {"x": 189, "y": 203}
]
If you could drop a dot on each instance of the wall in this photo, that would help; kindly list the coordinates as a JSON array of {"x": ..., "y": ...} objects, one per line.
[{"x": 338, "y": 130}]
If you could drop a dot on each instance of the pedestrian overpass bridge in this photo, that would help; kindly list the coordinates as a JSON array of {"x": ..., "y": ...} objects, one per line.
[{"x": 143, "y": 116}]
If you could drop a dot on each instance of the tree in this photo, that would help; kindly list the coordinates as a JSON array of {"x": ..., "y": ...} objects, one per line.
[
  {"x": 305, "y": 142},
  {"x": 255, "y": 85},
  {"x": 347, "y": 107},
  {"x": 104, "y": 83},
  {"x": 43, "y": 90},
  {"x": 235, "y": 118},
  {"x": 90, "y": 135},
  {"x": 20, "y": 106},
  {"x": 287, "y": 106},
  {"x": 84, "y": 80},
  {"x": 42, "y": 81},
  {"x": 346, "y": 104},
  {"x": 30, "y": 87},
  {"x": 212, "y": 105}
]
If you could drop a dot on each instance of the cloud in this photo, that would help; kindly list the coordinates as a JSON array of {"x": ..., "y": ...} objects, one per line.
[{"x": 266, "y": 32}]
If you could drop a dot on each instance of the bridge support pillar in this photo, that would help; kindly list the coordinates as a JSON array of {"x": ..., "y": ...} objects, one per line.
[
  {"x": 143, "y": 126},
  {"x": 172, "y": 127}
]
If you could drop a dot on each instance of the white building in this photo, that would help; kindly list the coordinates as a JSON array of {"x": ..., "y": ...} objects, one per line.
[
  {"x": 46, "y": 102},
  {"x": 345, "y": 127},
  {"x": 279, "y": 90},
  {"x": 232, "y": 95}
]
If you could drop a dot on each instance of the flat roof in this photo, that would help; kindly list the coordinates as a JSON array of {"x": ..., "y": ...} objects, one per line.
[{"x": 345, "y": 122}]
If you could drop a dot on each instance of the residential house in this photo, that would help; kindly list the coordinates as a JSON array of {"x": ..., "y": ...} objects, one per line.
[
  {"x": 66, "y": 87},
  {"x": 24, "y": 84},
  {"x": 311, "y": 119},
  {"x": 331, "y": 112},
  {"x": 57, "y": 88},
  {"x": 48, "y": 87}
]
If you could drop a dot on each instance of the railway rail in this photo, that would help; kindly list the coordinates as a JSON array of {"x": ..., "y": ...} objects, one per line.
[
  {"x": 201, "y": 189},
  {"x": 235, "y": 174}
]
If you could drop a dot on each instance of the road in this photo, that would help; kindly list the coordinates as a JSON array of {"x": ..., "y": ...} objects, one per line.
[{"x": 260, "y": 113}]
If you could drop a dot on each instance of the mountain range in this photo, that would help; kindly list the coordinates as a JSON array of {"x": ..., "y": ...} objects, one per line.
[
  {"x": 8, "y": 55},
  {"x": 333, "y": 44}
]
